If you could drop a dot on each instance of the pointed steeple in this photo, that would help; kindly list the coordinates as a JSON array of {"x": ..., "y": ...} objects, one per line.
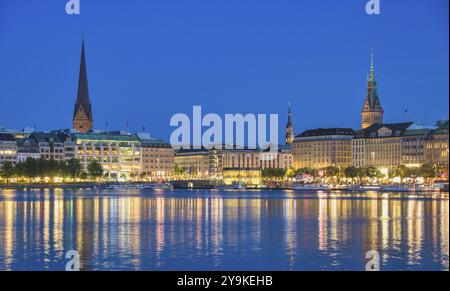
[
  {"x": 289, "y": 116},
  {"x": 372, "y": 111},
  {"x": 372, "y": 67},
  {"x": 289, "y": 128},
  {"x": 82, "y": 116}
]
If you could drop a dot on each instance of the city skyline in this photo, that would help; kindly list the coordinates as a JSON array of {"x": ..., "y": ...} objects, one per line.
[{"x": 155, "y": 110}]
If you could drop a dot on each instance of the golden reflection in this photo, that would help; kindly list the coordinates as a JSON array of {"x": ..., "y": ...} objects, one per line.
[{"x": 141, "y": 230}]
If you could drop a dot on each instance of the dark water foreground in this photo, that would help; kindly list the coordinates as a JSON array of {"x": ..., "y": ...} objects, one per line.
[{"x": 216, "y": 230}]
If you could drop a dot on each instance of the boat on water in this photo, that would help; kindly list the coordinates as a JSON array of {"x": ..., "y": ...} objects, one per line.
[
  {"x": 230, "y": 187},
  {"x": 396, "y": 188},
  {"x": 411, "y": 188},
  {"x": 161, "y": 186},
  {"x": 312, "y": 187}
]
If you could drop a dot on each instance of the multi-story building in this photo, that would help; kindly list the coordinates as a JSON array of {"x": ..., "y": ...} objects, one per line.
[
  {"x": 118, "y": 153},
  {"x": 323, "y": 147},
  {"x": 387, "y": 145},
  {"x": 247, "y": 159},
  {"x": 8, "y": 148},
  {"x": 50, "y": 145},
  {"x": 27, "y": 148},
  {"x": 193, "y": 162},
  {"x": 157, "y": 159},
  {"x": 436, "y": 146}
]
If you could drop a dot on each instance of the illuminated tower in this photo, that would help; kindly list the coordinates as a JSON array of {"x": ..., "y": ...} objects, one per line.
[
  {"x": 289, "y": 128},
  {"x": 372, "y": 112},
  {"x": 82, "y": 116}
]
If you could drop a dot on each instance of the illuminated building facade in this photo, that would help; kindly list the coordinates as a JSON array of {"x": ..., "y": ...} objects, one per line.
[
  {"x": 212, "y": 164},
  {"x": 118, "y": 153},
  {"x": 27, "y": 148},
  {"x": 50, "y": 145},
  {"x": 245, "y": 159},
  {"x": 157, "y": 159},
  {"x": 387, "y": 145},
  {"x": 194, "y": 163},
  {"x": 247, "y": 176},
  {"x": 436, "y": 146},
  {"x": 323, "y": 147},
  {"x": 8, "y": 148}
]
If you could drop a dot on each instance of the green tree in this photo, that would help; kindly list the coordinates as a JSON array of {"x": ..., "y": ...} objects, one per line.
[
  {"x": 179, "y": 171},
  {"x": 95, "y": 169},
  {"x": 332, "y": 171},
  {"x": 361, "y": 173},
  {"x": 429, "y": 171},
  {"x": 373, "y": 172},
  {"x": 7, "y": 171},
  {"x": 351, "y": 172},
  {"x": 273, "y": 173},
  {"x": 290, "y": 173},
  {"x": 307, "y": 171},
  {"x": 83, "y": 175},
  {"x": 73, "y": 168},
  {"x": 30, "y": 168},
  {"x": 413, "y": 172}
]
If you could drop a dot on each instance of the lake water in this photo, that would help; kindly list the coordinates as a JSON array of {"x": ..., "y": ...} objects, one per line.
[{"x": 222, "y": 230}]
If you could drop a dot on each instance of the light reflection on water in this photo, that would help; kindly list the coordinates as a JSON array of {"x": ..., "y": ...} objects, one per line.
[{"x": 212, "y": 230}]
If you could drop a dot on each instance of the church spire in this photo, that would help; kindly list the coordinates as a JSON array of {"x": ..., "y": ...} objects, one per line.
[
  {"x": 82, "y": 116},
  {"x": 289, "y": 128}
]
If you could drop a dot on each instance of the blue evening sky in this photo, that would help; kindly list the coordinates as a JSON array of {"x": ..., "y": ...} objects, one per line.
[{"x": 148, "y": 60}]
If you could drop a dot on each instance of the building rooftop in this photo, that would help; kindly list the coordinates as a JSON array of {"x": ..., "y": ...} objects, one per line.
[
  {"x": 391, "y": 130},
  {"x": 7, "y": 137},
  {"x": 46, "y": 137},
  {"x": 105, "y": 136},
  {"x": 326, "y": 131},
  {"x": 151, "y": 143}
]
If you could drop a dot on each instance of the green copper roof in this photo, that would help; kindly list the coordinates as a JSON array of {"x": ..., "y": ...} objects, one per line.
[{"x": 105, "y": 137}]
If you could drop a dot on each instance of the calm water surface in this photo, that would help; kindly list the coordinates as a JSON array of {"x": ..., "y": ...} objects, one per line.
[{"x": 217, "y": 230}]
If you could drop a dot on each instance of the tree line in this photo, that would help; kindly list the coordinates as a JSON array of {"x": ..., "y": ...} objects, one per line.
[{"x": 32, "y": 169}]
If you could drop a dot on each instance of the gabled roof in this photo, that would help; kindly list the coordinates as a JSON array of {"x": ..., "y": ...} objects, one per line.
[
  {"x": 397, "y": 129},
  {"x": 26, "y": 142}
]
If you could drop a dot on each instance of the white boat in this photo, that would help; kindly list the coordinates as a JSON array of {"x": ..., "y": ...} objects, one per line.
[
  {"x": 124, "y": 186},
  {"x": 312, "y": 187},
  {"x": 411, "y": 188},
  {"x": 163, "y": 186},
  {"x": 228, "y": 187},
  {"x": 159, "y": 186},
  {"x": 364, "y": 188}
]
